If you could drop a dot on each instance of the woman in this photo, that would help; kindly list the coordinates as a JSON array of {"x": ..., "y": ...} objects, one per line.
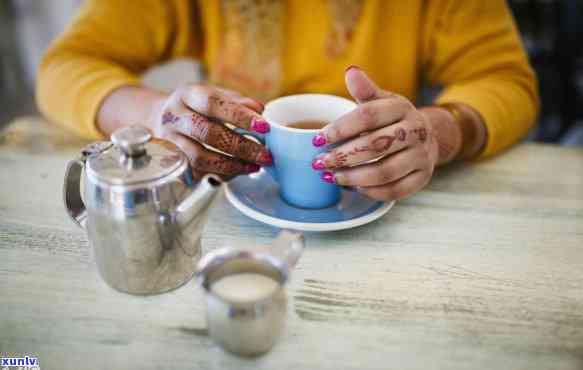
[{"x": 256, "y": 50}]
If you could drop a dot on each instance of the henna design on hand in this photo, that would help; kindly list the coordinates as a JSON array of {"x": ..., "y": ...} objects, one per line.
[
  {"x": 238, "y": 146},
  {"x": 340, "y": 159},
  {"x": 383, "y": 143},
  {"x": 227, "y": 108},
  {"x": 168, "y": 117},
  {"x": 220, "y": 165},
  {"x": 422, "y": 133},
  {"x": 359, "y": 149},
  {"x": 401, "y": 134},
  {"x": 199, "y": 127}
]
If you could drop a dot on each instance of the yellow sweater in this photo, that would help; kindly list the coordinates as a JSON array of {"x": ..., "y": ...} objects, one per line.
[{"x": 471, "y": 48}]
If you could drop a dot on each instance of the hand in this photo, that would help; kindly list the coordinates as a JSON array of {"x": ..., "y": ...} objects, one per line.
[
  {"x": 386, "y": 129},
  {"x": 195, "y": 115}
]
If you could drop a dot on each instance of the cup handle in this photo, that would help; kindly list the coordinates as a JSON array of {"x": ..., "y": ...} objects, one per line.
[{"x": 261, "y": 138}]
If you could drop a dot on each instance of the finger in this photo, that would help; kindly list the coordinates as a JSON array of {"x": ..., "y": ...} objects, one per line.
[
  {"x": 191, "y": 150},
  {"x": 382, "y": 172},
  {"x": 367, "y": 117},
  {"x": 399, "y": 189},
  {"x": 254, "y": 104},
  {"x": 218, "y": 136},
  {"x": 203, "y": 160},
  {"x": 361, "y": 87},
  {"x": 228, "y": 141},
  {"x": 215, "y": 104},
  {"x": 377, "y": 144}
]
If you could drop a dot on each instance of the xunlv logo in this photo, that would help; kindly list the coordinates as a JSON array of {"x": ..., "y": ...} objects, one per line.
[{"x": 19, "y": 361}]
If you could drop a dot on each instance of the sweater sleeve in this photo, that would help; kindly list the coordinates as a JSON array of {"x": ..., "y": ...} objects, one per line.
[
  {"x": 108, "y": 45},
  {"x": 473, "y": 49}
]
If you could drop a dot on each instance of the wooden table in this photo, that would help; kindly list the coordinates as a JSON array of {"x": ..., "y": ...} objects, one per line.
[{"x": 482, "y": 270}]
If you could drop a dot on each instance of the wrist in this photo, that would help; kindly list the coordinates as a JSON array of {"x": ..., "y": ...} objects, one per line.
[
  {"x": 446, "y": 131},
  {"x": 129, "y": 105},
  {"x": 472, "y": 128},
  {"x": 155, "y": 110}
]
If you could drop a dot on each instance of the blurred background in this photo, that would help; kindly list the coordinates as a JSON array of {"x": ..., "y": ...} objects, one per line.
[{"x": 550, "y": 30}]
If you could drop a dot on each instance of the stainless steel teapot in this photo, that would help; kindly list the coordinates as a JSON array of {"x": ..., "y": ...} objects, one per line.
[{"x": 141, "y": 208}]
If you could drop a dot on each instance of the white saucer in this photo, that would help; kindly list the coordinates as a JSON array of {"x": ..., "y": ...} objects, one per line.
[{"x": 257, "y": 196}]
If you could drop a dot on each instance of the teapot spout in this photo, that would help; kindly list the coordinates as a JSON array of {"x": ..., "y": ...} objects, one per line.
[{"x": 196, "y": 205}]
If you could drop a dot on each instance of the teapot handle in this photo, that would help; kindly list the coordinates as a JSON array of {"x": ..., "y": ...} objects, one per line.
[
  {"x": 72, "y": 192},
  {"x": 72, "y": 186}
]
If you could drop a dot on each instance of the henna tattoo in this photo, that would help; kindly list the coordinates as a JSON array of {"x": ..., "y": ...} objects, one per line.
[
  {"x": 234, "y": 112},
  {"x": 401, "y": 134},
  {"x": 359, "y": 149},
  {"x": 337, "y": 159},
  {"x": 422, "y": 133},
  {"x": 340, "y": 159},
  {"x": 382, "y": 143},
  {"x": 215, "y": 101},
  {"x": 218, "y": 105},
  {"x": 244, "y": 149},
  {"x": 222, "y": 138},
  {"x": 221, "y": 165},
  {"x": 168, "y": 117},
  {"x": 199, "y": 127}
]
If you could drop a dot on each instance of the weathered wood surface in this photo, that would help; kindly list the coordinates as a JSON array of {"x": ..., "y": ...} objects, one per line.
[{"x": 482, "y": 270}]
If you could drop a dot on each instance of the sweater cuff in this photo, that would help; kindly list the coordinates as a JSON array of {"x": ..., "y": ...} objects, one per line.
[{"x": 480, "y": 97}]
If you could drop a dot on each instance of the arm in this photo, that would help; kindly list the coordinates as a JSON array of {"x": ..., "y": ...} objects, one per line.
[
  {"x": 106, "y": 47},
  {"x": 460, "y": 131},
  {"x": 473, "y": 49},
  {"x": 89, "y": 83}
]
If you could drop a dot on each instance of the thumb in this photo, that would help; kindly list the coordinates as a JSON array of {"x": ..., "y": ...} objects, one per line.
[{"x": 360, "y": 86}]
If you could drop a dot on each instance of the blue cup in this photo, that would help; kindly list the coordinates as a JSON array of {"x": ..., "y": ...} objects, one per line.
[{"x": 292, "y": 149}]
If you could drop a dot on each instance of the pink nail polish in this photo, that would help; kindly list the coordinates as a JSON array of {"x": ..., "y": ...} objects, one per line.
[
  {"x": 328, "y": 177},
  {"x": 318, "y": 164},
  {"x": 252, "y": 168},
  {"x": 265, "y": 158},
  {"x": 259, "y": 125},
  {"x": 319, "y": 140}
]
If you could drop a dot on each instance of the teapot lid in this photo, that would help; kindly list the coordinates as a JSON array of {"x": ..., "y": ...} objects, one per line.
[{"x": 135, "y": 158}]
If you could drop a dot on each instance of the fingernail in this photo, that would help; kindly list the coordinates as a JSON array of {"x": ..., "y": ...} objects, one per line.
[
  {"x": 350, "y": 67},
  {"x": 259, "y": 125},
  {"x": 318, "y": 164},
  {"x": 319, "y": 140},
  {"x": 252, "y": 168},
  {"x": 265, "y": 158},
  {"x": 328, "y": 177}
]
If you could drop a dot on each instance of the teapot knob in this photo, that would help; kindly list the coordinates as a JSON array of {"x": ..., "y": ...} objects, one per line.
[{"x": 131, "y": 140}]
